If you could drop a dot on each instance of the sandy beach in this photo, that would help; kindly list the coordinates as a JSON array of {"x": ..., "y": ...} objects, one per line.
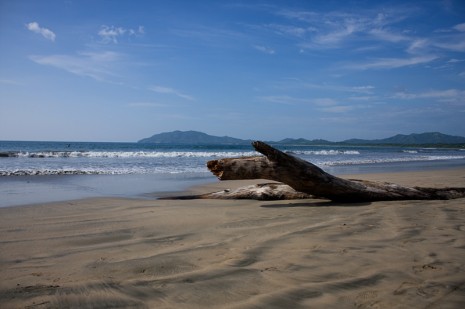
[{"x": 129, "y": 253}]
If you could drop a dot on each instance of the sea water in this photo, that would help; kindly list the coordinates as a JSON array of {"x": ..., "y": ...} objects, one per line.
[{"x": 32, "y": 172}]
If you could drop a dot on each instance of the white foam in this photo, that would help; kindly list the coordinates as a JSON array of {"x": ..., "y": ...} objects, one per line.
[
  {"x": 134, "y": 154},
  {"x": 101, "y": 171},
  {"x": 177, "y": 162},
  {"x": 391, "y": 160},
  {"x": 330, "y": 152}
]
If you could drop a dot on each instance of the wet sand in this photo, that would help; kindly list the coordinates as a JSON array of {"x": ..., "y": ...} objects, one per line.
[{"x": 128, "y": 253}]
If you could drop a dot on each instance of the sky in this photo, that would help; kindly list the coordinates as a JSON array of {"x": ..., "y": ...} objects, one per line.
[{"x": 80, "y": 70}]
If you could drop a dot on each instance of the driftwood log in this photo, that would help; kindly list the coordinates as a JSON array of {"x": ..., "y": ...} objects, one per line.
[{"x": 307, "y": 178}]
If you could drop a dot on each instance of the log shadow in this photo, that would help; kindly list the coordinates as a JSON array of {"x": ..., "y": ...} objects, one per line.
[{"x": 316, "y": 204}]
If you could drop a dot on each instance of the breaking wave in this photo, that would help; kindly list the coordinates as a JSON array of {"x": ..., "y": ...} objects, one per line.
[
  {"x": 172, "y": 169},
  {"x": 324, "y": 152},
  {"x": 176, "y": 160},
  {"x": 101, "y": 171},
  {"x": 126, "y": 154},
  {"x": 392, "y": 160}
]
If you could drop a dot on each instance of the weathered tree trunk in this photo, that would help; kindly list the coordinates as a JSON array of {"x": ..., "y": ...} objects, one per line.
[{"x": 305, "y": 177}]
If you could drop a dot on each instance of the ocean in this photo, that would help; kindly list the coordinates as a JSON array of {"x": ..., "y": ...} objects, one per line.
[{"x": 35, "y": 172}]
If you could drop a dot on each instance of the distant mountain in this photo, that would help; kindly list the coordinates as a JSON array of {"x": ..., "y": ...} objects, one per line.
[
  {"x": 199, "y": 138},
  {"x": 430, "y": 138},
  {"x": 192, "y": 138}
]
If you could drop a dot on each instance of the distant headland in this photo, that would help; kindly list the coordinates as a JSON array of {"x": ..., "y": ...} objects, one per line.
[{"x": 200, "y": 138}]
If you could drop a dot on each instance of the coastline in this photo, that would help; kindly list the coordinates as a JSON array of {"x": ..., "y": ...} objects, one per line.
[
  {"x": 25, "y": 190},
  {"x": 141, "y": 253}
]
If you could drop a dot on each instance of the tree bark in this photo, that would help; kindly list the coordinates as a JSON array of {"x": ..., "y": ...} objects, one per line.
[{"x": 306, "y": 177}]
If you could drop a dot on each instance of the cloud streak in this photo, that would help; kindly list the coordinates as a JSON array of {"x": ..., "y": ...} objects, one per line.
[
  {"x": 46, "y": 33},
  {"x": 391, "y": 63},
  {"x": 331, "y": 30},
  {"x": 365, "y": 89},
  {"x": 448, "y": 95},
  {"x": 171, "y": 91},
  {"x": 460, "y": 27},
  {"x": 264, "y": 49},
  {"x": 284, "y": 99},
  {"x": 328, "y": 105},
  {"x": 88, "y": 64}
]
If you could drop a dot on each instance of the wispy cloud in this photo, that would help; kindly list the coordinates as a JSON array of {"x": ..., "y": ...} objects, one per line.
[
  {"x": 340, "y": 33},
  {"x": 46, "y": 33},
  {"x": 451, "y": 39},
  {"x": 385, "y": 35},
  {"x": 391, "y": 63},
  {"x": 111, "y": 34},
  {"x": 169, "y": 90},
  {"x": 328, "y": 105},
  {"x": 364, "y": 89},
  {"x": 448, "y": 95},
  {"x": 265, "y": 49},
  {"x": 418, "y": 46},
  {"x": 290, "y": 30},
  {"x": 452, "y": 45},
  {"x": 330, "y": 30},
  {"x": 460, "y": 27},
  {"x": 90, "y": 64},
  {"x": 366, "y": 31},
  {"x": 290, "y": 100},
  {"x": 284, "y": 99}
]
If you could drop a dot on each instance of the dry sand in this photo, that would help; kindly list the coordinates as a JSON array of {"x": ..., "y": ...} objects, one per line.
[{"x": 122, "y": 253}]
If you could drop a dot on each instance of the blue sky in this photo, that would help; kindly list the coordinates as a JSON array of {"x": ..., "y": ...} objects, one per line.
[{"x": 124, "y": 70}]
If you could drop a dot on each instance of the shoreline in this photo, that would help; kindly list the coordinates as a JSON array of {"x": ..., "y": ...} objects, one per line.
[
  {"x": 119, "y": 252},
  {"x": 24, "y": 190}
]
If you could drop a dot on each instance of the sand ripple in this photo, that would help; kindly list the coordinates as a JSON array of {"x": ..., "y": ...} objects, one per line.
[{"x": 116, "y": 253}]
